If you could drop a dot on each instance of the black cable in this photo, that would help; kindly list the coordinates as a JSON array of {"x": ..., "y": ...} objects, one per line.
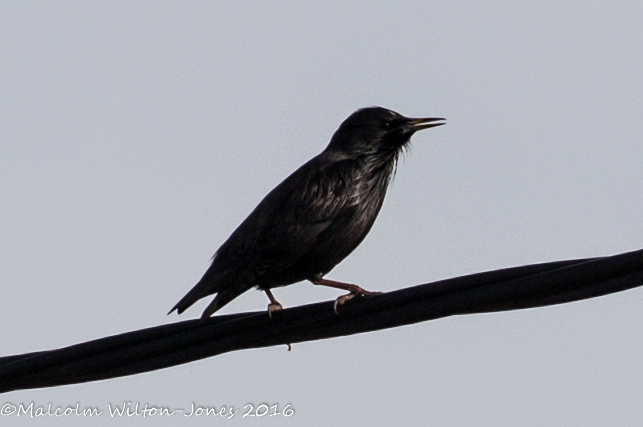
[{"x": 182, "y": 342}]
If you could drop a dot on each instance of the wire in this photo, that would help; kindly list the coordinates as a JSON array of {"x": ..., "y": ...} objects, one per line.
[{"x": 183, "y": 342}]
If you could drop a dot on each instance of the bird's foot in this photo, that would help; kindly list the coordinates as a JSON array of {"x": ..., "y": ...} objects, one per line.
[
  {"x": 274, "y": 306},
  {"x": 357, "y": 293},
  {"x": 341, "y": 300}
]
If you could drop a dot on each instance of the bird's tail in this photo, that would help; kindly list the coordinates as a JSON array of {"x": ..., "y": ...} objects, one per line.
[
  {"x": 195, "y": 294},
  {"x": 222, "y": 298},
  {"x": 226, "y": 287},
  {"x": 209, "y": 284}
]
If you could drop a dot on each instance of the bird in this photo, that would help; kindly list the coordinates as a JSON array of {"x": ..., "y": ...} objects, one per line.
[{"x": 315, "y": 218}]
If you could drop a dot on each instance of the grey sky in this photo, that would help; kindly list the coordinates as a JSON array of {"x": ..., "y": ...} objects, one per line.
[{"x": 135, "y": 136}]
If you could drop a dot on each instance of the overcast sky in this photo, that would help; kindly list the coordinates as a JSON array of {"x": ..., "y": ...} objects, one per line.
[{"x": 135, "y": 137}]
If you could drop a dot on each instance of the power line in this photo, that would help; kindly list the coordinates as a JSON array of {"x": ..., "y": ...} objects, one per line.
[{"x": 182, "y": 342}]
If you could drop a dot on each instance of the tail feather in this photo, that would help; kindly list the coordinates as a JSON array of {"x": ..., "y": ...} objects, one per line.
[
  {"x": 223, "y": 298},
  {"x": 226, "y": 286},
  {"x": 208, "y": 285},
  {"x": 188, "y": 300}
]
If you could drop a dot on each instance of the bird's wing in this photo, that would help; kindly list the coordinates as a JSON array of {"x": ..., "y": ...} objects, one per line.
[
  {"x": 308, "y": 206},
  {"x": 290, "y": 218}
]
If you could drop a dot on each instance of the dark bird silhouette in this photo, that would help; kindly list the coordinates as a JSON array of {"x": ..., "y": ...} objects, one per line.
[{"x": 316, "y": 217}]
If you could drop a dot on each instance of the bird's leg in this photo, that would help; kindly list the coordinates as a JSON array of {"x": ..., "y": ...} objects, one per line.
[
  {"x": 353, "y": 289},
  {"x": 274, "y": 304}
]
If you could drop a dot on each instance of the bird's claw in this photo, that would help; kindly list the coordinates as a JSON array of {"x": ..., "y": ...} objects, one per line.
[
  {"x": 274, "y": 306},
  {"x": 341, "y": 300}
]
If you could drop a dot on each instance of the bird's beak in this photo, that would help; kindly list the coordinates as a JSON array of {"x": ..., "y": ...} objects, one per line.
[{"x": 415, "y": 125}]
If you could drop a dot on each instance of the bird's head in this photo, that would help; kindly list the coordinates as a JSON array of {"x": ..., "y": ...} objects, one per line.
[{"x": 377, "y": 132}]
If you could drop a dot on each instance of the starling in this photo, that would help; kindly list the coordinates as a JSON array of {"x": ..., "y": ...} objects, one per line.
[{"x": 315, "y": 218}]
